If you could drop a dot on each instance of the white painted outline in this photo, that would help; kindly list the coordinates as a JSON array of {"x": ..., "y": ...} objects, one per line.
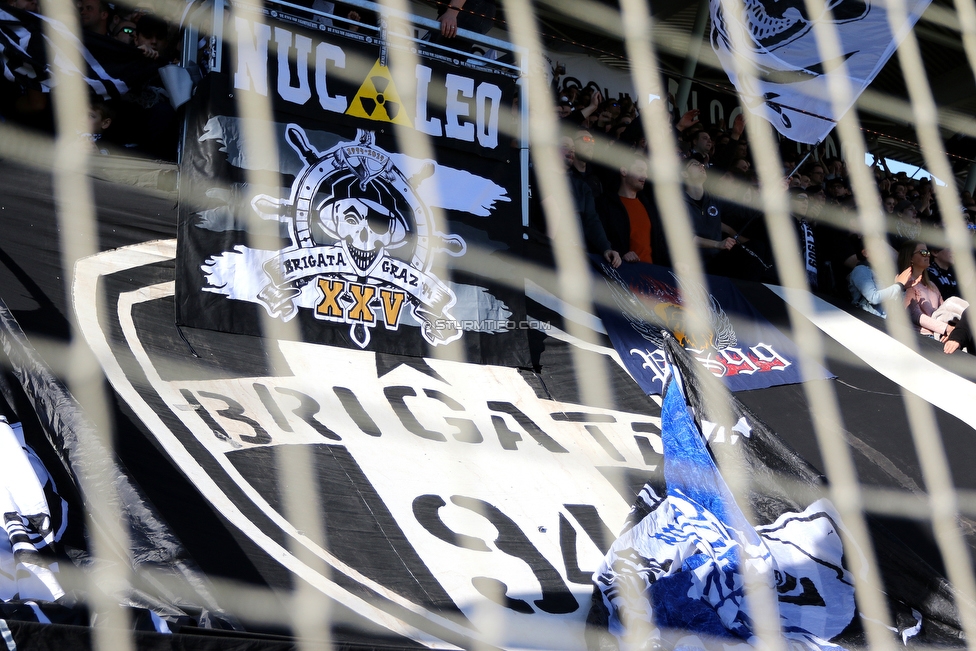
[
  {"x": 84, "y": 295},
  {"x": 545, "y": 298}
]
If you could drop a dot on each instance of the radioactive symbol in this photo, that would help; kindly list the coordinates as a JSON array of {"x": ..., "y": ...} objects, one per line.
[{"x": 378, "y": 99}]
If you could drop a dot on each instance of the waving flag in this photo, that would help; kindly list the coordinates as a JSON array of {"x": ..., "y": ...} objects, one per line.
[
  {"x": 30, "y": 526},
  {"x": 111, "y": 68},
  {"x": 677, "y": 569},
  {"x": 792, "y": 88}
]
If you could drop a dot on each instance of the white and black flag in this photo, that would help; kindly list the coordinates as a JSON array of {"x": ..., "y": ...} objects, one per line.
[
  {"x": 792, "y": 92},
  {"x": 112, "y": 68}
]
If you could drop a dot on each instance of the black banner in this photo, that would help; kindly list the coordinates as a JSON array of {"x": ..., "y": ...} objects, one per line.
[{"x": 367, "y": 230}]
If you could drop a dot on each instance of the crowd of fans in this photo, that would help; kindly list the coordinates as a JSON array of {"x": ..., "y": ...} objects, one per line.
[
  {"x": 129, "y": 38},
  {"x": 615, "y": 202},
  {"x": 131, "y": 41},
  {"x": 605, "y": 153}
]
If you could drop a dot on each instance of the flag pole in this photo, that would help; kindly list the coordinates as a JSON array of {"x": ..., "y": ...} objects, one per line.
[{"x": 802, "y": 161}]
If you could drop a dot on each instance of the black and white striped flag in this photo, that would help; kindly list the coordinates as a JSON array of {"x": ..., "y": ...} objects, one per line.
[{"x": 28, "y": 53}]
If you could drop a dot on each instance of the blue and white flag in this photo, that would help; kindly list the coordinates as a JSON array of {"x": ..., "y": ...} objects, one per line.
[
  {"x": 792, "y": 90},
  {"x": 676, "y": 571}
]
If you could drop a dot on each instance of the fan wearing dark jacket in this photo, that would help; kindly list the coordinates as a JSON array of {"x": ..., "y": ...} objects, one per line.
[{"x": 631, "y": 220}]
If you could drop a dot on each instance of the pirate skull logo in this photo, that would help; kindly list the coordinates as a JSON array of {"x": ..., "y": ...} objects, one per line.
[
  {"x": 365, "y": 224},
  {"x": 355, "y": 207}
]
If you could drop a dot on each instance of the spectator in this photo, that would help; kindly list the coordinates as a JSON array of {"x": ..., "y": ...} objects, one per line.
[
  {"x": 711, "y": 235},
  {"x": 94, "y": 15},
  {"x": 729, "y": 151},
  {"x": 923, "y": 204},
  {"x": 837, "y": 190},
  {"x": 701, "y": 144},
  {"x": 816, "y": 174},
  {"x": 578, "y": 117},
  {"x": 942, "y": 272},
  {"x": 889, "y": 203},
  {"x": 472, "y": 15},
  {"x": 125, "y": 30},
  {"x": 809, "y": 239},
  {"x": 628, "y": 109},
  {"x": 922, "y": 298},
  {"x": 605, "y": 116},
  {"x": 593, "y": 233},
  {"x": 631, "y": 219},
  {"x": 907, "y": 225},
  {"x": 713, "y": 220},
  {"x": 583, "y": 166},
  {"x": 817, "y": 200},
  {"x": 586, "y": 95},
  {"x": 836, "y": 253},
  {"x": 100, "y": 116},
  {"x": 789, "y": 164},
  {"x": 572, "y": 93},
  {"x": 621, "y": 127},
  {"x": 151, "y": 36},
  {"x": 563, "y": 107},
  {"x": 633, "y": 136},
  {"x": 864, "y": 287},
  {"x": 899, "y": 191},
  {"x": 26, "y": 5},
  {"x": 836, "y": 169}
]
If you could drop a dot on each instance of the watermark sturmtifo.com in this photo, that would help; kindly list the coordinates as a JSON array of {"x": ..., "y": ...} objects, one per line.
[{"x": 489, "y": 325}]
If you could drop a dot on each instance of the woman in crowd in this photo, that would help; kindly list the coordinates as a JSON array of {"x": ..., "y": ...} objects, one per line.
[
  {"x": 889, "y": 203},
  {"x": 125, "y": 29},
  {"x": 864, "y": 287},
  {"x": 922, "y": 298}
]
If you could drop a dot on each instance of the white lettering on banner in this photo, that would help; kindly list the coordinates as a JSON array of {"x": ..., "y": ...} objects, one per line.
[
  {"x": 716, "y": 434},
  {"x": 489, "y": 98},
  {"x": 252, "y": 55},
  {"x": 654, "y": 361},
  {"x": 714, "y": 366},
  {"x": 733, "y": 358},
  {"x": 431, "y": 126},
  {"x": 457, "y": 87},
  {"x": 767, "y": 356},
  {"x": 730, "y": 361},
  {"x": 303, "y": 47},
  {"x": 324, "y": 53},
  {"x": 470, "y": 114},
  {"x": 552, "y": 457},
  {"x": 505, "y": 499}
]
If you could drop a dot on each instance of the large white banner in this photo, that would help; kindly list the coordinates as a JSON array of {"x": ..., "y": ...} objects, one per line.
[{"x": 792, "y": 91}]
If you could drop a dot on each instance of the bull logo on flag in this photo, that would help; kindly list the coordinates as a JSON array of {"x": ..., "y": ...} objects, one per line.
[
  {"x": 774, "y": 25},
  {"x": 782, "y": 41},
  {"x": 787, "y": 83}
]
